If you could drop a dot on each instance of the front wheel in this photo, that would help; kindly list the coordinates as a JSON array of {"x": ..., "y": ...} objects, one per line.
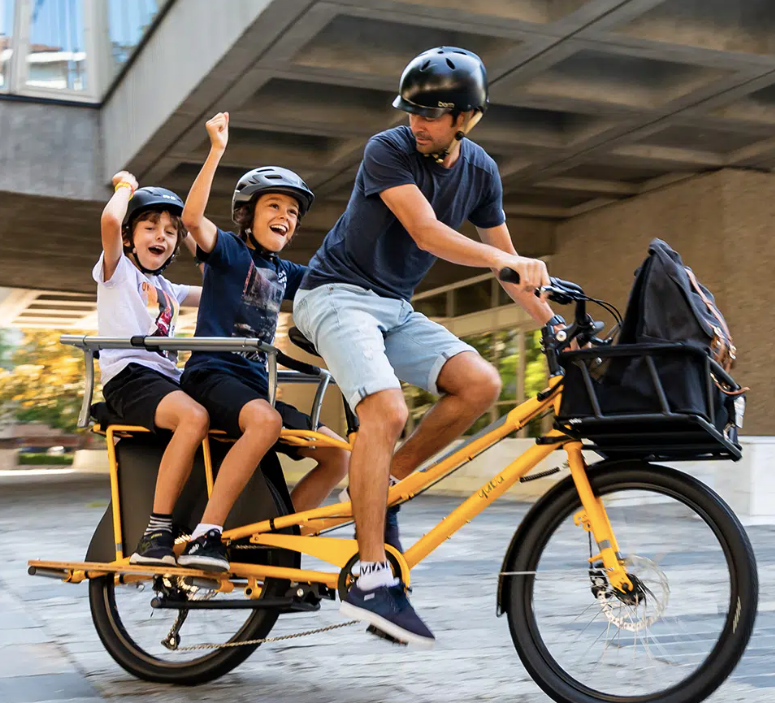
[{"x": 682, "y": 631}]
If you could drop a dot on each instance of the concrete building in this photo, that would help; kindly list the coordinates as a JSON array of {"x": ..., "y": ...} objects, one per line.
[{"x": 612, "y": 122}]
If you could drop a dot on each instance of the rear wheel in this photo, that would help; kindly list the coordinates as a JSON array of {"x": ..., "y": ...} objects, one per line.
[
  {"x": 139, "y": 636},
  {"x": 685, "y": 627}
]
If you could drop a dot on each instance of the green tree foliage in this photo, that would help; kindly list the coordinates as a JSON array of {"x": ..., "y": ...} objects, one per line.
[{"x": 43, "y": 381}]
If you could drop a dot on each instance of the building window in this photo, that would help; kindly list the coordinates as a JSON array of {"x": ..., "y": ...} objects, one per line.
[
  {"x": 6, "y": 37},
  {"x": 56, "y": 50},
  {"x": 128, "y": 22}
]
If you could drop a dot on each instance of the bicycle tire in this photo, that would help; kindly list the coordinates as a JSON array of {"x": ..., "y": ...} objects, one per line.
[
  {"x": 212, "y": 665},
  {"x": 548, "y": 515}
]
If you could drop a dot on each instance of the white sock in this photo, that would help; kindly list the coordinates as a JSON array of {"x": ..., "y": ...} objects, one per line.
[
  {"x": 375, "y": 574},
  {"x": 203, "y": 528},
  {"x": 344, "y": 496}
]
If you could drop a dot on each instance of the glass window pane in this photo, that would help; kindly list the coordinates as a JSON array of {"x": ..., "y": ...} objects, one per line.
[
  {"x": 433, "y": 306},
  {"x": 6, "y": 34},
  {"x": 128, "y": 21},
  {"x": 56, "y": 57},
  {"x": 473, "y": 298}
]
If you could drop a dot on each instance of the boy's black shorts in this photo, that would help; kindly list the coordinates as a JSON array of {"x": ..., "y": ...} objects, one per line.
[
  {"x": 135, "y": 393},
  {"x": 224, "y": 395}
]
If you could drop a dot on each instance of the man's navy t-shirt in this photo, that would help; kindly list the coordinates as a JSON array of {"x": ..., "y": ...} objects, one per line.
[
  {"x": 369, "y": 247},
  {"x": 241, "y": 297}
]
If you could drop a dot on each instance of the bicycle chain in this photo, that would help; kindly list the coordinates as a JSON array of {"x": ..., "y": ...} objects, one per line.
[{"x": 195, "y": 647}]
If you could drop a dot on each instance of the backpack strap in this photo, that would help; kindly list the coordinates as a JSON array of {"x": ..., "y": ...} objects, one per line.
[{"x": 722, "y": 347}]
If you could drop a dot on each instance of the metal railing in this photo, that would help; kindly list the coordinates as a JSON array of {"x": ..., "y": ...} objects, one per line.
[{"x": 301, "y": 372}]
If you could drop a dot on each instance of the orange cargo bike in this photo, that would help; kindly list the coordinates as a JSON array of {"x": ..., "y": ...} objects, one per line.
[{"x": 628, "y": 581}]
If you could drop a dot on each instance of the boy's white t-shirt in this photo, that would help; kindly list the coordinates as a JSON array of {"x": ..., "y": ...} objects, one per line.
[{"x": 132, "y": 303}]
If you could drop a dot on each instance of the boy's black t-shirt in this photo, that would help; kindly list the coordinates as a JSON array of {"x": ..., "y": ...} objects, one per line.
[
  {"x": 241, "y": 296},
  {"x": 369, "y": 247}
]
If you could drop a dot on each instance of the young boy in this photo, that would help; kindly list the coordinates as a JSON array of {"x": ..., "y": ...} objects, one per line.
[
  {"x": 245, "y": 283},
  {"x": 141, "y": 233}
]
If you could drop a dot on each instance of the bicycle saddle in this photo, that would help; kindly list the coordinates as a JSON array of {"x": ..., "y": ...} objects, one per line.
[{"x": 301, "y": 341}]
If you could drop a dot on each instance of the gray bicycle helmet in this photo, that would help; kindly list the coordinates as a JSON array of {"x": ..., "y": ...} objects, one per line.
[{"x": 272, "y": 179}]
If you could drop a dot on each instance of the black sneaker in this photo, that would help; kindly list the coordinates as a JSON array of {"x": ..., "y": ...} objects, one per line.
[
  {"x": 155, "y": 548},
  {"x": 391, "y": 528},
  {"x": 388, "y": 609},
  {"x": 206, "y": 552}
]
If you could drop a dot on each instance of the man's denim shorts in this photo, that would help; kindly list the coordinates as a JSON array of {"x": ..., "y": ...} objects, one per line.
[{"x": 369, "y": 342}]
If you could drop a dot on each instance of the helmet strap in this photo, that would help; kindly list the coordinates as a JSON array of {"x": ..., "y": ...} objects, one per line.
[
  {"x": 468, "y": 125},
  {"x": 132, "y": 252},
  {"x": 257, "y": 246}
]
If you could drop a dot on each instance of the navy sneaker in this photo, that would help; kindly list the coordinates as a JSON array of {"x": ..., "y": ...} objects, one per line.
[
  {"x": 155, "y": 549},
  {"x": 206, "y": 552},
  {"x": 391, "y": 528},
  {"x": 388, "y": 609}
]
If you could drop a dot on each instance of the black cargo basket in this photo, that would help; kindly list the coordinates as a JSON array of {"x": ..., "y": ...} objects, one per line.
[{"x": 649, "y": 401}]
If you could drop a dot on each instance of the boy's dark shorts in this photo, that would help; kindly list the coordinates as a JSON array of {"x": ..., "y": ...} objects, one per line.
[
  {"x": 134, "y": 394},
  {"x": 224, "y": 395}
]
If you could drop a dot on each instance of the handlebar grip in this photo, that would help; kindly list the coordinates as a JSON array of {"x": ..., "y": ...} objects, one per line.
[
  {"x": 508, "y": 275},
  {"x": 511, "y": 276}
]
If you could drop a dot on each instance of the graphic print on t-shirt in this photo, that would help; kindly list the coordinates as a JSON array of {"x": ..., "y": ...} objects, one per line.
[
  {"x": 262, "y": 295},
  {"x": 163, "y": 309}
]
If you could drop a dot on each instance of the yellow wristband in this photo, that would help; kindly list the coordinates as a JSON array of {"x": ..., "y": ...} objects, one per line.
[{"x": 124, "y": 184}]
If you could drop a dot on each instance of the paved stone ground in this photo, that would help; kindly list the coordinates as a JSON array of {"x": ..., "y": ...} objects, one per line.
[{"x": 49, "y": 650}]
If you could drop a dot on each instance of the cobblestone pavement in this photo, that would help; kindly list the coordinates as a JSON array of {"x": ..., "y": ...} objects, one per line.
[{"x": 49, "y": 650}]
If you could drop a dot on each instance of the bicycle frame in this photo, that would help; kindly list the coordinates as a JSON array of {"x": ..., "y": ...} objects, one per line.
[{"x": 338, "y": 552}]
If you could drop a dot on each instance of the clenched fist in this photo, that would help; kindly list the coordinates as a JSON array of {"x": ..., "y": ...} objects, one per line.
[{"x": 218, "y": 131}]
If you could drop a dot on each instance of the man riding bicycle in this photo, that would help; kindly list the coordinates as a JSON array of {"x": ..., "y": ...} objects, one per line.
[{"x": 415, "y": 186}]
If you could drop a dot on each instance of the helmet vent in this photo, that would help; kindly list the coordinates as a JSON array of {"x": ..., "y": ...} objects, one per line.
[
  {"x": 240, "y": 186},
  {"x": 266, "y": 168},
  {"x": 276, "y": 176},
  {"x": 450, "y": 64},
  {"x": 425, "y": 65}
]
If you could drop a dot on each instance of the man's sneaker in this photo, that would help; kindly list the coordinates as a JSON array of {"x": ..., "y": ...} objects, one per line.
[
  {"x": 155, "y": 549},
  {"x": 391, "y": 528},
  {"x": 206, "y": 552},
  {"x": 388, "y": 609}
]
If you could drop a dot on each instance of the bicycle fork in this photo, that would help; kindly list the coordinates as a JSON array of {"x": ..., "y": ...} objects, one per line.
[{"x": 594, "y": 518}]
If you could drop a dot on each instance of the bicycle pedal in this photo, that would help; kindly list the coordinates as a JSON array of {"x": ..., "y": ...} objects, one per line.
[{"x": 384, "y": 636}]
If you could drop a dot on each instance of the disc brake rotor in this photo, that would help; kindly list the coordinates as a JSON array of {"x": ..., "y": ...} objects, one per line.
[{"x": 643, "y": 607}]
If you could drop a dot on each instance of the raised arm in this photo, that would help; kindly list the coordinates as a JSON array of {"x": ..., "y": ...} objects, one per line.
[
  {"x": 125, "y": 186},
  {"x": 415, "y": 213},
  {"x": 201, "y": 229}
]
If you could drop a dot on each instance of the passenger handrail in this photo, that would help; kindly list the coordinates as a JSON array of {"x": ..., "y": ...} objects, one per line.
[{"x": 302, "y": 373}]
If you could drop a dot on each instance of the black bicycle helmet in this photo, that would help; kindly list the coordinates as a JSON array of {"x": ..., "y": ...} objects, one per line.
[
  {"x": 153, "y": 198},
  {"x": 145, "y": 199},
  {"x": 272, "y": 179},
  {"x": 441, "y": 80}
]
